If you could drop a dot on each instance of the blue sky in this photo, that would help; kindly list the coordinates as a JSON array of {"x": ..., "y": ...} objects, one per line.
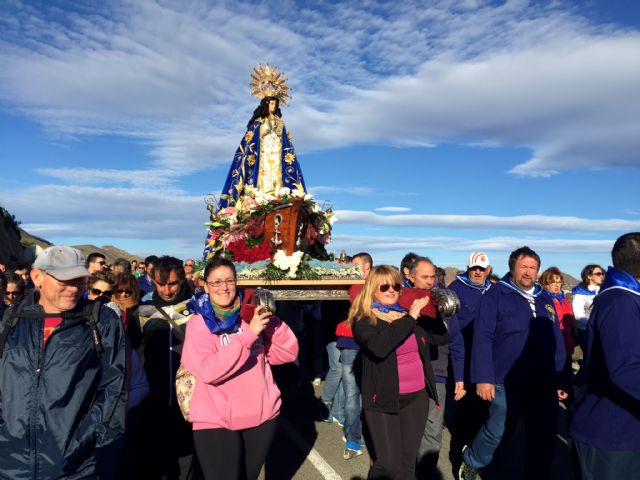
[{"x": 439, "y": 127}]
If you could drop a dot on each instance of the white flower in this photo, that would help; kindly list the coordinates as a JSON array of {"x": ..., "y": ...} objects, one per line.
[
  {"x": 297, "y": 193},
  {"x": 308, "y": 197}
]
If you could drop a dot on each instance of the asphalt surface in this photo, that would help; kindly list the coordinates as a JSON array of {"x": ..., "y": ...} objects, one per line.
[{"x": 307, "y": 448}]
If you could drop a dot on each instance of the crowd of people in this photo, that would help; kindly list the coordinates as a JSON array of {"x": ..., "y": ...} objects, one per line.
[{"x": 90, "y": 351}]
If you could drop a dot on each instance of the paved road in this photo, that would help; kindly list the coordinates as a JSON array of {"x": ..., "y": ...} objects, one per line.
[{"x": 306, "y": 448}]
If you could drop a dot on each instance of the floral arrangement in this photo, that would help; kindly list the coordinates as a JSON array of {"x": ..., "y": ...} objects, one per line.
[
  {"x": 307, "y": 268},
  {"x": 237, "y": 231}
]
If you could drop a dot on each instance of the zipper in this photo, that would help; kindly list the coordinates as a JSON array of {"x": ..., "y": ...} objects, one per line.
[{"x": 33, "y": 427}]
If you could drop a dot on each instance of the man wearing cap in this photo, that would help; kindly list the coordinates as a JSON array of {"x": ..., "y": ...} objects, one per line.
[
  {"x": 517, "y": 361},
  {"x": 471, "y": 410},
  {"x": 62, "y": 374}
]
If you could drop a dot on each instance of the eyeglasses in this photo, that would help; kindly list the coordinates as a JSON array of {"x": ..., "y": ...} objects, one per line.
[
  {"x": 598, "y": 274},
  {"x": 477, "y": 267},
  {"x": 141, "y": 267},
  {"x": 192, "y": 265},
  {"x": 12, "y": 294},
  {"x": 124, "y": 292},
  {"x": 385, "y": 286},
  {"x": 218, "y": 283},
  {"x": 73, "y": 282},
  {"x": 101, "y": 293}
]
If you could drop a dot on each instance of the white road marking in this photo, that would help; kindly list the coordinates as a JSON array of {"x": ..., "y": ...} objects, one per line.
[{"x": 313, "y": 456}]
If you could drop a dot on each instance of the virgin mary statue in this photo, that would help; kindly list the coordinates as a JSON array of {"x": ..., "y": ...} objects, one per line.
[{"x": 265, "y": 159}]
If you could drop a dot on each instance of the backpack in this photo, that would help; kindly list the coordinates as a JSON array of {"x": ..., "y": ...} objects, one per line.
[{"x": 91, "y": 313}]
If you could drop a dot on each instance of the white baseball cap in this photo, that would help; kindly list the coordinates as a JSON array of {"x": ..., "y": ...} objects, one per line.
[{"x": 478, "y": 259}]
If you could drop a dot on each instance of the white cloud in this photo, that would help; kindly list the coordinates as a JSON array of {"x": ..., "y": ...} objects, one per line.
[
  {"x": 392, "y": 209},
  {"x": 490, "y": 222},
  {"x": 324, "y": 189},
  {"x": 463, "y": 244},
  {"x": 97, "y": 176},
  {"x": 92, "y": 212},
  {"x": 174, "y": 76}
]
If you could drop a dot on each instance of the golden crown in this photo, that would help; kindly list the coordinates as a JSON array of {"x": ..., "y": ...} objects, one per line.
[{"x": 268, "y": 81}]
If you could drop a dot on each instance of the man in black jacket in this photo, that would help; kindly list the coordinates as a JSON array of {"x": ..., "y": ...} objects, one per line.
[
  {"x": 158, "y": 326},
  {"x": 62, "y": 375}
]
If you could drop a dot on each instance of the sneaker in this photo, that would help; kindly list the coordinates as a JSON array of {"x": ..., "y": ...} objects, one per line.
[
  {"x": 360, "y": 442},
  {"x": 351, "y": 450},
  {"x": 466, "y": 472},
  {"x": 339, "y": 421}
]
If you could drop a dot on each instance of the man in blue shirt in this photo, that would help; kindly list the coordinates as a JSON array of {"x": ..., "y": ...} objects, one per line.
[
  {"x": 516, "y": 362},
  {"x": 471, "y": 411},
  {"x": 605, "y": 424}
]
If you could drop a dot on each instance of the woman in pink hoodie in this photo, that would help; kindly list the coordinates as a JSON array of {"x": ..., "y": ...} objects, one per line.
[{"x": 229, "y": 347}]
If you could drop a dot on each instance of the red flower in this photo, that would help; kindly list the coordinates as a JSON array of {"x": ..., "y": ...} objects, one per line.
[{"x": 243, "y": 253}]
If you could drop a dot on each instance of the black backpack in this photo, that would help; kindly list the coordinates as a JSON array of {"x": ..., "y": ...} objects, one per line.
[{"x": 91, "y": 313}]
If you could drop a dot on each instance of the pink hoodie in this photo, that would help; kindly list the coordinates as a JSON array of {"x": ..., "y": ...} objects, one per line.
[{"x": 234, "y": 386}]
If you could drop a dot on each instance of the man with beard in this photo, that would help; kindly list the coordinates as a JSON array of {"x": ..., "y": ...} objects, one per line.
[
  {"x": 516, "y": 363},
  {"x": 158, "y": 326}
]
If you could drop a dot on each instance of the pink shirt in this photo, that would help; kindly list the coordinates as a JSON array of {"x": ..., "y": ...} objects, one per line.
[
  {"x": 410, "y": 369},
  {"x": 234, "y": 386}
]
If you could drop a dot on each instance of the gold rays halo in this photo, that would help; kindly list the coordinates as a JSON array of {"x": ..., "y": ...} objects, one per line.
[{"x": 268, "y": 81}]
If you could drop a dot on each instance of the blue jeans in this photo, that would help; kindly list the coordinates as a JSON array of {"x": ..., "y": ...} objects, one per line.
[
  {"x": 350, "y": 362},
  {"x": 333, "y": 390},
  {"x": 480, "y": 452}
]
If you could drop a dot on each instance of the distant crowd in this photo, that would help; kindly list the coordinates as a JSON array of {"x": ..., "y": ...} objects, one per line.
[{"x": 141, "y": 369}]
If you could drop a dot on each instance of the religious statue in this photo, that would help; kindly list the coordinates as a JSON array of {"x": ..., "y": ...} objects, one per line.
[{"x": 265, "y": 159}]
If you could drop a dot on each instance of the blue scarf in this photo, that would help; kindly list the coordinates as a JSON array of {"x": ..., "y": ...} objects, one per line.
[
  {"x": 537, "y": 289},
  {"x": 557, "y": 296},
  {"x": 407, "y": 283},
  {"x": 464, "y": 278},
  {"x": 582, "y": 290},
  {"x": 387, "y": 308},
  {"x": 201, "y": 304},
  {"x": 620, "y": 279}
]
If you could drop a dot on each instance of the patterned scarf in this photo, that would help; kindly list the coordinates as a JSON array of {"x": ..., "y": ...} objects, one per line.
[{"x": 218, "y": 320}]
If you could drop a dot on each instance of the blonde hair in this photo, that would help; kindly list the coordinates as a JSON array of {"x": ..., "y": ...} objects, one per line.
[{"x": 361, "y": 306}]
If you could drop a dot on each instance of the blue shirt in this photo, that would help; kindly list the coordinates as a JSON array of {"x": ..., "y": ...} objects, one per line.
[
  {"x": 606, "y": 414},
  {"x": 461, "y": 326},
  {"x": 511, "y": 345}
]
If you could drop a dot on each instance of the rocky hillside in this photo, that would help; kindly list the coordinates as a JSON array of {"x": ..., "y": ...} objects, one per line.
[{"x": 11, "y": 249}]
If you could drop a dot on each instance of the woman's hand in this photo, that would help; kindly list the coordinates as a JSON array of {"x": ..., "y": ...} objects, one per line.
[
  {"x": 260, "y": 319},
  {"x": 418, "y": 305}
]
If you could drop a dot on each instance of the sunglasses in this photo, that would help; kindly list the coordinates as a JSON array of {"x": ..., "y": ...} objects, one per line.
[
  {"x": 12, "y": 294},
  {"x": 101, "y": 293},
  {"x": 482, "y": 269},
  {"x": 395, "y": 287},
  {"x": 598, "y": 274},
  {"x": 124, "y": 292},
  {"x": 189, "y": 265}
]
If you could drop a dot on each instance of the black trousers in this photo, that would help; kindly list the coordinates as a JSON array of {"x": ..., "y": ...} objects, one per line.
[
  {"x": 396, "y": 437},
  {"x": 234, "y": 454}
]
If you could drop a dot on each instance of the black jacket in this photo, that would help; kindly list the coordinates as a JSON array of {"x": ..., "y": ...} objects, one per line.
[
  {"x": 59, "y": 402},
  {"x": 380, "y": 385}
]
